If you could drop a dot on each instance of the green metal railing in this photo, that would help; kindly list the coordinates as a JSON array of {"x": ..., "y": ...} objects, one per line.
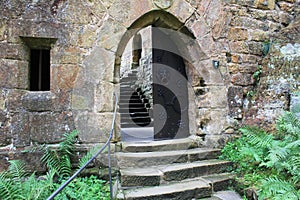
[{"x": 107, "y": 144}]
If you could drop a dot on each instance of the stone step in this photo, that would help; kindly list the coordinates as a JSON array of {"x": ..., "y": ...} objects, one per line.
[
  {"x": 224, "y": 195},
  {"x": 128, "y": 97},
  {"x": 134, "y": 134},
  {"x": 145, "y": 119},
  {"x": 152, "y": 176},
  {"x": 131, "y": 105},
  {"x": 132, "y": 110},
  {"x": 136, "y": 124},
  {"x": 220, "y": 181},
  {"x": 130, "y": 101},
  {"x": 161, "y": 145},
  {"x": 128, "y": 79},
  {"x": 185, "y": 190},
  {"x": 137, "y": 114},
  {"x": 144, "y": 159}
]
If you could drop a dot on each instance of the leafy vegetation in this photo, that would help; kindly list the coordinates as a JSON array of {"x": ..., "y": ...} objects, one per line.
[
  {"x": 269, "y": 162},
  {"x": 17, "y": 184}
]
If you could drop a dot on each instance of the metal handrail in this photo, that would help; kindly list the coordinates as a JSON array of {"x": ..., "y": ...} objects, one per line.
[{"x": 107, "y": 144}]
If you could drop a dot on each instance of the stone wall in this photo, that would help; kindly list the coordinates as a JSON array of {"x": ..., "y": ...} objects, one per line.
[{"x": 86, "y": 55}]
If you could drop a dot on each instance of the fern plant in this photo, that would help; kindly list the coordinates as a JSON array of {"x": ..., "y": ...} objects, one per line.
[
  {"x": 267, "y": 161},
  {"x": 59, "y": 160},
  {"x": 16, "y": 183}
]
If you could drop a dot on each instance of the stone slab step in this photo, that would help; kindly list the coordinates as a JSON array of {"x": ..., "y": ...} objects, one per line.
[
  {"x": 134, "y": 134},
  {"x": 175, "y": 172},
  {"x": 136, "y": 124},
  {"x": 185, "y": 190},
  {"x": 131, "y": 101},
  {"x": 143, "y": 159},
  {"x": 131, "y": 105},
  {"x": 220, "y": 181},
  {"x": 132, "y": 110},
  {"x": 162, "y": 145},
  {"x": 145, "y": 119},
  {"x": 137, "y": 114},
  {"x": 224, "y": 195}
]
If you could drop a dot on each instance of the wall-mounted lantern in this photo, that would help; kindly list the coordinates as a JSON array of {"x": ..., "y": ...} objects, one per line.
[{"x": 216, "y": 64}]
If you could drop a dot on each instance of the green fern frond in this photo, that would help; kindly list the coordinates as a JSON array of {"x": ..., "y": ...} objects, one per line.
[
  {"x": 278, "y": 153},
  {"x": 88, "y": 156},
  {"x": 67, "y": 146},
  {"x": 288, "y": 124},
  {"x": 59, "y": 160},
  {"x": 257, "y": 137},
  {"x": 17, "y": 169},
  {"x": 7, "y": 189},
  {"x": 271, "y": 188}
]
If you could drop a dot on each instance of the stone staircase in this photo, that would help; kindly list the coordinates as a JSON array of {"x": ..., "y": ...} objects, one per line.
[
  {"x": 170, "y": 169},
  {"x": 135, "y": 111},
  {"x": 134, "y": 107}
]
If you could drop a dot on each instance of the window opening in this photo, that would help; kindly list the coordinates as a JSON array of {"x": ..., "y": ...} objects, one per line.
[{"x": 40, "y": 70}]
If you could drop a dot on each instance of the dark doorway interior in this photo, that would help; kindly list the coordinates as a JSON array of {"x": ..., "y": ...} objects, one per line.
[{"x": 170, "y": 93}]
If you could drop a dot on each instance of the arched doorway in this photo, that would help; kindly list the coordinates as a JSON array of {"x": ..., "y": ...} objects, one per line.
[{"x": 167, "y": 101}]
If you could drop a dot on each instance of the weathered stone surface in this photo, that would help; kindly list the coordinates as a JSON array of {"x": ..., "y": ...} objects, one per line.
[
  {"x": 98, "y": 66},
  {"x": 104, "y": 97},
  {"x": 38, "y": 101},
  {"x": 242, "y": 79},
  {"x": 182, "y": 10},
  {"x": 49, "y": 127},
  {"x": 13, "y": 51},
  {"x": 238, "y": 34},
  {"x": 235, "y": 96},
  {"x": 32, "y": 160},
  {"x": 64, "y": 76},
  {"x": 215, "y": 97},
  {"x": 111, "y": 33},
  {"x": 14, "y": 100},
  {"x": 83, "y": 96},
  {"x": 13, "y": 74},
  {"x": 93, "y": 127},
  {"x": 262, "y": 4},
  {"x": 20, "y": 129}
]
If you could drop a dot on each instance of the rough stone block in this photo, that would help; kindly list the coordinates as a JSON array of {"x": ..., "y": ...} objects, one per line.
[
  {"x": 258, "y": 35},
  {"x": 265, "y": 4},
  {"x": 239, "y": 47},
  {"x": 126, "y": 12},
  {"x": 20, "y": 129},
  {"x": 3, "y": 28},
  {"x": 214, "y": 121},
  {"x": 284, "y": 6},
  {"x": 214, "y": 97},
  {"x": 93, "y": 127},
  {"x": 14, "y": 102},
  {"x": 182, "y": 10},
  {"x": 49, "y": 127},
  {"x": 236, "y": 34},
  {"x": 83, "y": 96},
  {"x": 64, "y": 76},
  {"x": 70, "y": 55},
  {"x": 104, "y": 97},
  {"x": 99, "y": 65},
  {"x": 242, "y": 79},
  {"x": 87, "y": 36},
  {"x": 111, "y": 33},
  {"x": 255, "y": 48},
  {"x": 235, "y": 96},
  {"x": 38, "y": 101},
  {"x": 13, "y": 51},
  {"x": 13, "y": 74}
]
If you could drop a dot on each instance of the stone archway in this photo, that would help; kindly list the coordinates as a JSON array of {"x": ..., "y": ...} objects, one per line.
[{"x": 178, "y": 34}]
